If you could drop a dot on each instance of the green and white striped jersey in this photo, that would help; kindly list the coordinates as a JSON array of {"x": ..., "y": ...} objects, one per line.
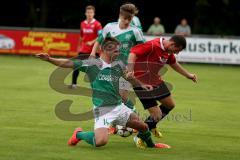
[
  {"x": 104, "y": 80},
  {"x": 127, "y": 37}
]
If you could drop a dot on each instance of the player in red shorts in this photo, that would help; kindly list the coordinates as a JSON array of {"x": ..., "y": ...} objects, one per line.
[
  {"x": 89, "y": 30},
  {"x": 145, "y": 62}
]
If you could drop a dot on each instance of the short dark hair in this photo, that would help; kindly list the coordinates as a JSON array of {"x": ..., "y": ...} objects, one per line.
[
  {"x": 128, "y": 9},
  {"x": 109, "y": 40},
  {"x": 90, "y": 7},
  {"x": 179, "y": 41}
]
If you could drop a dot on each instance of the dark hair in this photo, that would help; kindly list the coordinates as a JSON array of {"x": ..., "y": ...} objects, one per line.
[
  {"x": 109, "y": 43},
  {"x": 128, "y": 10},
  {"x": 90, "y": 7},
  {"x": 179, "y": 41}
]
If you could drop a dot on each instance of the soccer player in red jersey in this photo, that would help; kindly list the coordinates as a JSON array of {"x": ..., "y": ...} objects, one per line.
[
  {"x": 145, "y": 62},
  {"x": 89, "y": 30}
]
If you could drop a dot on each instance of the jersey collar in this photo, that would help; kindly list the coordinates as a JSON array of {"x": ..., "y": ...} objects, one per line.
[
  {"x": 90, "y": 22},
  {"x": 120, "y": 28},
  {"x": 104, "y": 64}
]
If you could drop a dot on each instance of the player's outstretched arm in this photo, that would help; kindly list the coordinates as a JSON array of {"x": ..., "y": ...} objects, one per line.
[
  {"x": 178, "y": 68},
  {"x": 65, "y": 63}
]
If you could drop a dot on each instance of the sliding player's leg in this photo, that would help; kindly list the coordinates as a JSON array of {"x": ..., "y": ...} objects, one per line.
[
  {"x": 101, "y": 136},
  {"x": 97, "y": 138},
  {"x": 144, "y": 135}
]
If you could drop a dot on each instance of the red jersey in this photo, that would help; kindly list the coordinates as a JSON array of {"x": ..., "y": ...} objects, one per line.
[
  {"x": 151, "y": 57},
  {"x": 88, "y": 32}
]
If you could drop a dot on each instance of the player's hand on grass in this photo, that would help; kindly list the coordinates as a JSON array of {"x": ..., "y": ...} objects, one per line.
[
  {"x": 147, "y": 87},
  {"x": 193, "y": 77},
  {"x": 43, "y": 56}
]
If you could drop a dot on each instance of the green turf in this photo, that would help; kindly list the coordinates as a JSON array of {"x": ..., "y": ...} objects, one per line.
[{"x": 204, "y": 125}]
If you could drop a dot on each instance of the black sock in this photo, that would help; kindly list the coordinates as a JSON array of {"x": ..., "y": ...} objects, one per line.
[
  {"x": 75, "y": 76},
  {"x": 151, "y": 122},
  {"x": 164, "y": 110}
]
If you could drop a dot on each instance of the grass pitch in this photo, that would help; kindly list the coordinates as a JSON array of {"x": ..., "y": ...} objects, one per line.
[{"x": 204, "y": 125}]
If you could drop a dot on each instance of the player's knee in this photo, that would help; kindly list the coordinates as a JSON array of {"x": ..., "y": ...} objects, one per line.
[
  {"x": 101, "y": 142},
  {"x": 143, "y": 127},
  {"x": 156, "y": 116}
]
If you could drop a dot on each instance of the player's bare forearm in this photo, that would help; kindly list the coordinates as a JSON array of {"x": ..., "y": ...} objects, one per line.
[
  {"x": 178, "y": 68},
  {"x": 65, "y": 63},
  {"x": 131, "y": 61},
  {"x": 94, "y": 49}
]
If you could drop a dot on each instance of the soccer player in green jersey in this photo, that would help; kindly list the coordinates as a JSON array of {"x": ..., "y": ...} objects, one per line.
[
  {"x": 129, "y": 36},
  {"x": 135, "y": 20},
  {"x": 104, "y": 74}
]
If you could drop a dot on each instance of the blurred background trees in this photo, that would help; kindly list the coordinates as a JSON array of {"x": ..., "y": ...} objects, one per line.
[{"x": 205, "y": 16}]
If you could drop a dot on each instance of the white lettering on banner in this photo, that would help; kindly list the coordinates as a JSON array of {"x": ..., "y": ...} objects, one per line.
[{"x": 209, "y": 50}]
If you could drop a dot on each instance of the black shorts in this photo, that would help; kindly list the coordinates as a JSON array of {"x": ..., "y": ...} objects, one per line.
[{"x": 149, "y": 98}]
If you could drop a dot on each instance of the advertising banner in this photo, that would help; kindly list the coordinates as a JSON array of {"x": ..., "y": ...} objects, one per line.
[{"x": 32, "y": 42}]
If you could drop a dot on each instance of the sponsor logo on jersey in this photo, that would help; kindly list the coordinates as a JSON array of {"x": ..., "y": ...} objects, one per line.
[
  {"x": 109, "y": 78},
  {"x": 88, "y": 30},
  {"x": 128, "y": 36},
  {"x": 126, "y": 45}
]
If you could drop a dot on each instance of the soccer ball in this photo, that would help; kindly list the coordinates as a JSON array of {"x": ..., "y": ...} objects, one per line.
[{"x": 124, "y": 131}]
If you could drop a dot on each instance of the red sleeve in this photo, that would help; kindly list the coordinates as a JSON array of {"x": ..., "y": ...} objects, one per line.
[
  {"x": 171, "y": 59},
  {"x": 98, "y": 26},
  {"x": 142, "y": 49}
]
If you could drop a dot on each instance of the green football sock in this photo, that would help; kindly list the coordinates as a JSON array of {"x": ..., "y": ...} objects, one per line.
[
  {"x": 146, "y": 137},
  {"x": 89, "y": 137}
]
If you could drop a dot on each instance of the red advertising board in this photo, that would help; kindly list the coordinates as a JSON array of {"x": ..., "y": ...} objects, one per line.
[{"x": 32, "y": 42}]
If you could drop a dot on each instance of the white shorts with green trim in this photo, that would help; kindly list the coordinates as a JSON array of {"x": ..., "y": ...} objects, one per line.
[{"x": 111, "y": 116}]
